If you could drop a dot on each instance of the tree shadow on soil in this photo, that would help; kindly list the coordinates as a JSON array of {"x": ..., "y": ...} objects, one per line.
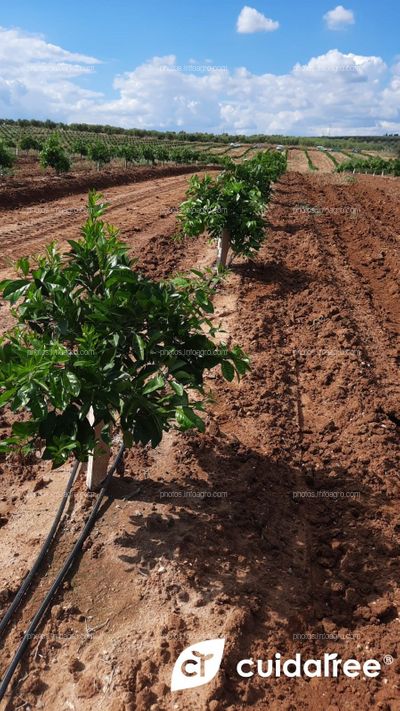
[
  {"x": 254, "y": 544},
  {"x": 278, "y": 563},
  {"x": 274, "y": 272}
]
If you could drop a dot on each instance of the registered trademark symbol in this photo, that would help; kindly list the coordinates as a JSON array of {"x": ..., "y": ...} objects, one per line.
[{"x": 388, "y": 659}]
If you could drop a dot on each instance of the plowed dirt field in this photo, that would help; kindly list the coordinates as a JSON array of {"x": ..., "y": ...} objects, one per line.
[{"x": 278, "y": 529}]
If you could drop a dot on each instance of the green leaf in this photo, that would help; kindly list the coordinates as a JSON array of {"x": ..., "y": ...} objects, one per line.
[
  {"x": 177, "y": 387},
  {"x": 24, "y": 429},
  {"x": 140, "y": 344},
  {"x": 73, "y": 383},
  {"x": 4, "y": 283},
  {"x": 17, "y": 285},
  {"x": 187, "y": 419},
  {"x": 228, "y": 370},
  {"x": 23, "y": 265},
  {"x": 202, "y": 299},
  {"x": 6, "y": 396},
  {"x": 154, "y": 384},
  {"x": 180, "y": 281}
]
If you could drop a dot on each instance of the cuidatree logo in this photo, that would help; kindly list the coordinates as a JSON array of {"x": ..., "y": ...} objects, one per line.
[
  {"x": 200, "y": 662},
  {"x": 197, "y": 664}
]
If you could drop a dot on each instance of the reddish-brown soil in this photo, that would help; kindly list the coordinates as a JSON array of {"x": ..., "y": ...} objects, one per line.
[
  {"x": 31, "y": 185},
  {"x": 145, "y": 213},
  {"x": 340, "y": 157},
  {"x": 321, "y": 161},
  {"x": 297, "y": 160},
  {"x": 278, "y": 529}
]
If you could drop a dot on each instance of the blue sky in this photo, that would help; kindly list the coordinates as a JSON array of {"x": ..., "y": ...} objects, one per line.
[{"x": 254, "y": 88}]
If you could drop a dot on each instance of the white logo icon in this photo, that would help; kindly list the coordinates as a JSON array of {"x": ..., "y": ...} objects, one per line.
[{"x": 197, "y": 664}]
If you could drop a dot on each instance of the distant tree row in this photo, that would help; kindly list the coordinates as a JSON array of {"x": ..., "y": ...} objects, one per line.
[
  {"x": 373, "y": 165},
  {"x": 389, "y": 141},
  {"x": 53, "y": 154}
]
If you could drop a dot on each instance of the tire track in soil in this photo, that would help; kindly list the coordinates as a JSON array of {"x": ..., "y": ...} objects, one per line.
[
  {"x": 256, "y": 565},
  {"x": 372, "y": 252},
  {"x": 374, "y": 314},
  {"x": 36, "y": 226},
  {"x": 345, "y": 417}
]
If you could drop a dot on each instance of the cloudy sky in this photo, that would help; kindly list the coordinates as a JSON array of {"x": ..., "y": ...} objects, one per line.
[{"x": 267, "y": 67}]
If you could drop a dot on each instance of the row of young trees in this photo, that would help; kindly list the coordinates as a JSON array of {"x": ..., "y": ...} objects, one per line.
[
  {"x": 386, "y": 142},
  {"x": 230, "y": 207},
  {"x": 374, "y": 165},
  {"x": 53, "y": 154},
  {"x": 94, "y": 334}
]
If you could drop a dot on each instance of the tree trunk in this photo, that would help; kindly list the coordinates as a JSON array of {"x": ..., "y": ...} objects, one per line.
[
  {"x": 97, "y": 465},
  {"x": 223, "y": 247}
]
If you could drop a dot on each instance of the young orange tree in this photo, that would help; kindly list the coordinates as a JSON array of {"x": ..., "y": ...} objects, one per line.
[
  {"x": 54, "y": 156},
  {"x": 7, "y": 160},
  {"x": 231, "y": 207},
  {"x": 229, "y": 210},
  {"x": 92, "y": 332},
  {"x": 28, "y": 143},
  {"x": 261, "y": 171},
  {"x": 99, "y": 153}
]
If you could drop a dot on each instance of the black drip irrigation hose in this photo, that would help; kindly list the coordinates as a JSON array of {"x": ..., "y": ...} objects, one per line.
[
  {"x": 46, "y": 545},
  {"x": 58, "y": 580}
]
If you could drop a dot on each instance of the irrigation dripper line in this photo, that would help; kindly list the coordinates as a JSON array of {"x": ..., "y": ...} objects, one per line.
[
  {"x": 58, "y": 580},
  {"x": 42, "y": 553}
]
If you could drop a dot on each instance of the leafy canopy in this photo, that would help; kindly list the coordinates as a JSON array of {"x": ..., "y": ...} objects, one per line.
[
  {"x": 130, "y": 152},
  {"x": 235, "y": 200},
  {"x": 28, "y": 142},
  {"x": 54, "y": 156},
  {"x": 224, "y": 202},
  {"x": 262, "y": 170},
  {"x": 93, "y": 331},
  {"x": 99, "y": 152},
  {"x": 371, "y": 165},
  {"x": 7, "y": 160},
  {"x": 79, "y": 146}
]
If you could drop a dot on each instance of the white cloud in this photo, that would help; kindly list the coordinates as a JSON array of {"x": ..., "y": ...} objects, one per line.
[
  {"x": 345, "y": 93},
  {"x": 17, "y": 46},
  {"x": 250, "y": 20},
  {"x": 355, "y": 68},
  {"x": 36, "y": 77},
  {"x": 341, "y": 92},
  {"x": 339, "y": 18}
]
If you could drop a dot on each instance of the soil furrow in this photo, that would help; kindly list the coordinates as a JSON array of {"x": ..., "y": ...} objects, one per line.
[{"x": 278, "y": 528}]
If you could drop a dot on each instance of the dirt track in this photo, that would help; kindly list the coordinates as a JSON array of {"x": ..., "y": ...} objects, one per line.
[
  {"x": 31, "y": 185},
  {"x": 297, "y": 160},
  {"x": 294, "y": 544},
  {"x": 322, "y": 162}
]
